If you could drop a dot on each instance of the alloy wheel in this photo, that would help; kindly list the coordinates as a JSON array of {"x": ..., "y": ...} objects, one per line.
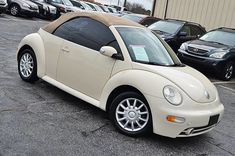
[
  {"x": 14, "y": 10},
  {"x": 26, "y": 65},
  {"x": 229, "y": 72},
  {"x": 132, "y": 114}
]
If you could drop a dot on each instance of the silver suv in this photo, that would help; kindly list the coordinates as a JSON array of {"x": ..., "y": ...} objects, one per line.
[
  {"x": 3, "y": 6},
  {"x": 25, "y": 7}
]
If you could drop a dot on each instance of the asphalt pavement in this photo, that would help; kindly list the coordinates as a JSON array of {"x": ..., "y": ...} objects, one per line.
[{"x": 40, "y": 120}]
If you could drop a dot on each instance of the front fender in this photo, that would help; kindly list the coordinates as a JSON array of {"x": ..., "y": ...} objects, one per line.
[
  {"x": 146, "y": 82},
  {"x": 36, "y": 43}
]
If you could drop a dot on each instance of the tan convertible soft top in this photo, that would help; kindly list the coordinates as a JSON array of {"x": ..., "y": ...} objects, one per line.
[{"x": 104, "y": 18}]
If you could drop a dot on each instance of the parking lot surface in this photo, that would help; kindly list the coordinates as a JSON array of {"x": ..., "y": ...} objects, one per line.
[{"x": 39, "y": 119}]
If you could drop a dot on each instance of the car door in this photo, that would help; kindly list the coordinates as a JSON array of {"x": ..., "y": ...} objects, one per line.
[{"x": 81, "y": 66}]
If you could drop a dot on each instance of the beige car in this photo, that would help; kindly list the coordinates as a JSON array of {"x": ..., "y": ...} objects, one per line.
[{"x": 122, "y": 68}]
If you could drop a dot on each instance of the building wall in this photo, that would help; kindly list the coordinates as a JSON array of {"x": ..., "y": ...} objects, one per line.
[{"x": 209, "y": 13}]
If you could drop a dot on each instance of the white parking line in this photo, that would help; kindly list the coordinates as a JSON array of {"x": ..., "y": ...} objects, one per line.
[{"x": 230, "y": 89}]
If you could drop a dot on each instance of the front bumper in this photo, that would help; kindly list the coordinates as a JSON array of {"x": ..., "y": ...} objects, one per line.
[
  {"x": 211, "y": 64},
  {"x": 197, "y": 117}
]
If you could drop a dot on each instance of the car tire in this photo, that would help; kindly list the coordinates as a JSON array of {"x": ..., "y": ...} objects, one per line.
[
  {"x": 27, "y": 66},
  {"x": 138, "y": 118},
  {"x": 14, "y": 10},
  {"x": 227, "y": 72}
]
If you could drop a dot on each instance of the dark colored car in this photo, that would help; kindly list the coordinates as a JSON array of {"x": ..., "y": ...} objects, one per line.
[
  {"x": 45, "y": 10},
  {"x": 142, "y": 19},
  {"x": 176, "y": 32},
  {"x": 3, "y": 6},
  {"x": 215, "y": 51},
  {"x": 63, "y": 6}
]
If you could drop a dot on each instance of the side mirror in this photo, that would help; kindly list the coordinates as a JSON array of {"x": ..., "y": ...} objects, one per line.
[
  {"x": 108, "y": 51},
  {"x": 183, "y": 34}
]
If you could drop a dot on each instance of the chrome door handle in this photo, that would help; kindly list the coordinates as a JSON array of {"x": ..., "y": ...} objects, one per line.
[{"x": 65, "y": 49}]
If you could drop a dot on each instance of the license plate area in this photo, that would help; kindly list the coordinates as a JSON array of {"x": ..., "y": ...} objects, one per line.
[{"x": 213, "y": 120}]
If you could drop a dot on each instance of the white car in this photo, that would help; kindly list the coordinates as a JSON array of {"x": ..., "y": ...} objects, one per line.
[
  {"x": 26, "y": 7},
  {"x": 124, "y": 69}
]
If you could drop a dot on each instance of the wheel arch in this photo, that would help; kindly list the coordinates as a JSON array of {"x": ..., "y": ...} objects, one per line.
[
  {"x": 34, "y": 42},
  {"x": 14, "y": 3},
  {"x": 118, "y": 90}
]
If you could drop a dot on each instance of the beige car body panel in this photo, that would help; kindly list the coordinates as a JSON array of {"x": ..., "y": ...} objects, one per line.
[{"x": 92, "y": 76}]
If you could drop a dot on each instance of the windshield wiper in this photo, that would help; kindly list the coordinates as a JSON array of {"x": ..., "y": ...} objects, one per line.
[{"x": 176, "y": 65}]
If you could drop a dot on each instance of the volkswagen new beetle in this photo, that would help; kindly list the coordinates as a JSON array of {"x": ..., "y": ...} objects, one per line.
[{"x": 124, "y": 69}]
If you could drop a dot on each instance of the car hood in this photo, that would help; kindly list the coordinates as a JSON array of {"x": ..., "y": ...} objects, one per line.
[
  {"x": 30, "y": 3},
  {"x": 208, "y": 46},
  {"x": 43, "y": 4},
  {"x": 192, "y": 82}
]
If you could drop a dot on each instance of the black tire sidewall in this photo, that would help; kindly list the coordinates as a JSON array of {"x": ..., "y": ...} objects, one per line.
[
  {"x": 33, "y": 77},
  {"x": 112, "y": 114}
]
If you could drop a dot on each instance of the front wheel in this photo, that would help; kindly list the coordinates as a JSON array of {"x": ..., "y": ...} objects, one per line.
[
  {"x": 14, "y": 10},
  {"x": 227, "y": 73},
  {"x": 130, "y": 114},
  {"x": 27, "y": 66}
]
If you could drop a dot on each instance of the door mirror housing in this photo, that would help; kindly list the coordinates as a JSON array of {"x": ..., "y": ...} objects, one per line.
[
  {"x": 183, "y": 34},
  {"x": 108, "y": 51}
]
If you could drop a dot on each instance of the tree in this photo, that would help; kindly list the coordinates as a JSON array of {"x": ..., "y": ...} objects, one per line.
[{"x": 137, "y": 8}]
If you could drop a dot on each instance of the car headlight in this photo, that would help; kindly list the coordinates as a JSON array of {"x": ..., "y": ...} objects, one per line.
[
  {"x": 184, "y": 46},
  {"x": 172, "y": 95},
  {"x": 218, "y": 54},
  {"x": 26, "y": 5}
]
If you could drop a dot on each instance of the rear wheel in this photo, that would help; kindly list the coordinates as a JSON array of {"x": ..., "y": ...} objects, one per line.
[
  {"x": 131, "y": 114},
  {"x": 228, "y": 71},
  {"x": 27, "y": 66}
]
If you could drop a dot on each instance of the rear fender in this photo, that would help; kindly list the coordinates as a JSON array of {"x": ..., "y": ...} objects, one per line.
[{"x": 35, "y": 42}]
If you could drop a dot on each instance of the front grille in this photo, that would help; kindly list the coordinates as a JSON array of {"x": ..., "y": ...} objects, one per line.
[
  {"x": 197, "y": 51},
  {"x": 213, "y": 121},
  {"x": 196, "y": 130}
]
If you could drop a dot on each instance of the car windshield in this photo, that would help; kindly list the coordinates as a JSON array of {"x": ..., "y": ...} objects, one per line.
[
  {"x": 218, "y": 36},
  {"x": 145, "y": 47},
  {"x": 166, "y": 27},
  {"x": 133, "y": 18},
  {"x": 67, "y": 2},
  {"x": 87, "y": 7}
]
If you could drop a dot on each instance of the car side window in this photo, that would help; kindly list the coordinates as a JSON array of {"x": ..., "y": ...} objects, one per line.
[
  {"x": 186, "y": 29},
  {"x": 195, "y": 31},
  {"x": 87, "y": 32}
]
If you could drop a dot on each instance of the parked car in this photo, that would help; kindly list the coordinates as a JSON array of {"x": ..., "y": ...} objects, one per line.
[
  {"x": 63, "y": 6},
  {"x": 104, "y": 8},
  {"x": 3, "y": 6},
  {"x": 119, "y": 8},
  {"x": 94, "y": 7},
  {"x": 141, "y": 19},
  {"x": 176, "y": 32},
  {"x": 81, "y": 5},
  {"x": 45, "y": 10},
  {"x": 25, "y": 7},
  {"x": 215, "y": 51},
  {"x": 117, "y": 68}
]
